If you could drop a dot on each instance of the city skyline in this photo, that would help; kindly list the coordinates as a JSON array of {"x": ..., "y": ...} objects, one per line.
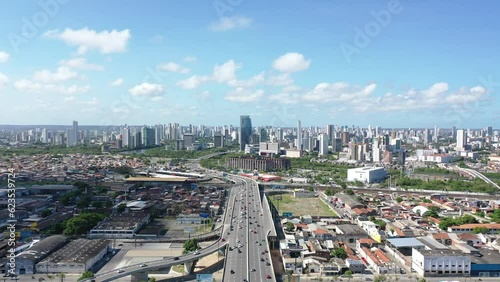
[{"x": 377, "y": 63}]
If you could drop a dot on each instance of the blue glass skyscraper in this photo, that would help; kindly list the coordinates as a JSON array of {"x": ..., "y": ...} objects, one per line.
[{"x": 245, "y": 131}]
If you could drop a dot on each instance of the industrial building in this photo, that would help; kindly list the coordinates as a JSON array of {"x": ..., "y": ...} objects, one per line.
[
  {"x": 120, "y": 226},
  {"x": 76, "y": 257},
  {"x": 259, "y": 164},
  {"x": 367, "y": 174},
  {"x": 26, "y": 260}
]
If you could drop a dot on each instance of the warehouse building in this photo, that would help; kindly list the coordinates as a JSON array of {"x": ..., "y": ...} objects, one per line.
[
  {"x": 366, "y": 174},
  {"x": 26, "y": 260},
  {"x": 76, "y": 257}
]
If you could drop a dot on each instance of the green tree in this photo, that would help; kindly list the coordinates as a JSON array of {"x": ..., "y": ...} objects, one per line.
[
  {"x": 432, "y": 212},
  {"x": 381, "y": 223},
  {"x": 121, "y": 208},
  {"x": 399, "y": 199},
  {"x": 46, "y": 213},
  {"x": 329, "y": 192},
  {"x": 86, "y": 274},
  {"x": 339, "y": 253},
  {"x": 290, "y": 227},
  {"x": 82, "y": 223},
  {"x": 349, "y": 192},
  {"x": 348, "y": 274},
  {"x": 190, "y": 245},
  {"x": 84, "y": 202}
]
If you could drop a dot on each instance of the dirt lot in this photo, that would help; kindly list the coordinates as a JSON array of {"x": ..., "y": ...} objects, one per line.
[{"x": 301, "y": 206}]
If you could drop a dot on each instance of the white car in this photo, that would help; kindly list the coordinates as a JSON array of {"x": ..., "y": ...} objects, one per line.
[{"x": 120, "y": 271}]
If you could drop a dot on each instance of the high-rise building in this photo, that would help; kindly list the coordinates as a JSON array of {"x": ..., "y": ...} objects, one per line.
[
  {"x": 125, "y": 132},
  {"x": 148, "y": 136},
  {"x": 75, "y": 132},
  {"x": 188, "y": 139},
  {"x": 345, "y": 138},
  {"x": 489, "y": 131},
  {"x": 245, "y": 132},
  {"x": 323, "y": 144},
  {"x": 336, "y": 145},
  {"x": 44, "y": 138},
  {"x": 461, "y": 140},
  {"x": 298, "y": 141},
  {"x": 330, "y": 131},
  {"x": 427, "y": 136}
]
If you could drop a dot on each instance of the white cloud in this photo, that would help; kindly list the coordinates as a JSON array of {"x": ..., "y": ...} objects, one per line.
[
  {"x": 147, "y": 89},
  {"x": 4, "y": 57},
  {"x": 252, "y": 82},
  {"x": 221, "y": 74},
  {"x": 467, "y": 95},
  {"x": 81, "y": 63},
  {"x": 242, "y": 95},
  {"x": 157, "y": 99},
  {"x": 189, "y": 59},
  {"x": 203, "y": 96},
  {"x": 62, "y": 74},
  {"x": 285, "y": 98},
  {"x": 291, "y": 62},
  {"x": 106, "y": 42},
  {"x": 69, "y": 99},
  {"x": 192, "y": 82},
  {"x": 225, "y": 72},
  {"x": 338, "y": 92},
  {"x": 117, "y": 82},
  {"x": 280, "y": 80},
  {"x": 4, "y": 80},
  {"x": 93, "y": 102},
  {"x": 229, "y": 23},
  {"x": 25, "y": 85},
  {"x": 173, "y": 67}
]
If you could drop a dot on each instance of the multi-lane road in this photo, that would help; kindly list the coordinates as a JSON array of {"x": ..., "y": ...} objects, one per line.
[{"x": 247, "y": 257}]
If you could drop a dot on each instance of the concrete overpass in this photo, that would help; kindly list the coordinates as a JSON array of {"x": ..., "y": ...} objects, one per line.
[
  {"x": 139, "y": 272},
  {"x": 476, "y": 174}
]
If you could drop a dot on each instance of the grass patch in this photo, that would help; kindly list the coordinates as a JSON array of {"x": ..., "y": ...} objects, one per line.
[{"x": 301, "y": 206}]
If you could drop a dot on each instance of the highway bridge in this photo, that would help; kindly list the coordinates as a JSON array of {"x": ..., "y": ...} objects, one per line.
[
  {"x": 475, "y": 174},
  {"x": 139, "y": 272},
  {"x": 248, "y": 257}
]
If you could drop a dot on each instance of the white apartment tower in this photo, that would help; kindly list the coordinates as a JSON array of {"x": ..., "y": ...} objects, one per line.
[
  {"x": 323, "y": 144},
  {"x": 299, "y": 136},
  {"x": 461, "y": 140}
]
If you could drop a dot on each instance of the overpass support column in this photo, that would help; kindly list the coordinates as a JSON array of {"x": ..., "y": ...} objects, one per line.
[
  {"x": 189, "y": 267},
  {"x": 139, "y": 277}
]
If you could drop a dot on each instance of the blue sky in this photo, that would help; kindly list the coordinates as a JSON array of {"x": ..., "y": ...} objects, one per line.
[{"x": 383, "y": 63}]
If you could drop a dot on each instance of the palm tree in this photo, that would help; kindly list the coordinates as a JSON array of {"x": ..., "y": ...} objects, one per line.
[
  {"x": 62, "y": 276},
  {"x": 50, "y": 276},
  {"x": 422, "y": 280}
]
